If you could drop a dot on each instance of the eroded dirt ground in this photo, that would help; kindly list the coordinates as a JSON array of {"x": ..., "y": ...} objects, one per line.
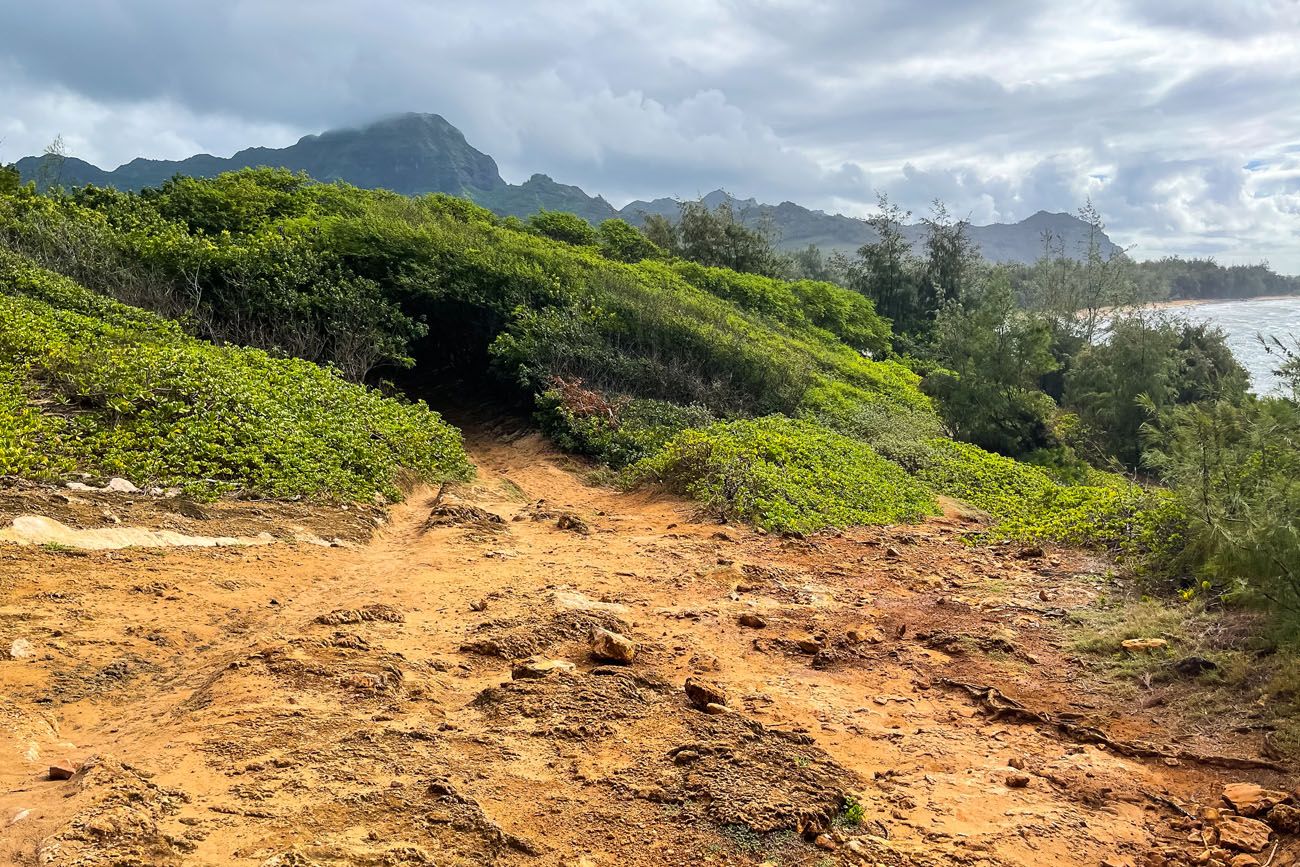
[{"x": 296, "y": 704}]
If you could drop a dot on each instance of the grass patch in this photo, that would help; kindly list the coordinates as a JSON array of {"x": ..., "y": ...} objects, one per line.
[
  {"x": 62, "y": 549},
  {"x": 1253, "y": 674}
]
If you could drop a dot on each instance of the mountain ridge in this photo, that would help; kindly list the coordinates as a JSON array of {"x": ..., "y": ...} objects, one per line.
[{"x": 415, "y": 153}]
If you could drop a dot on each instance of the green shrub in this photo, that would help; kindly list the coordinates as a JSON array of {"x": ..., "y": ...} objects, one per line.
[
  {"x": 1000, "y": 486},
  {"x": 561, "y": 226},
  {"x": 623, "y": 242},
  {"x": 784, "y": 474},
  {"x": 844, "y": 313},
  {"x": 1107, "y": 511},
  {"x": 95, "y": 386},
  {"x": 618, "y": 432},
  {"x": 363, "y": 278}
]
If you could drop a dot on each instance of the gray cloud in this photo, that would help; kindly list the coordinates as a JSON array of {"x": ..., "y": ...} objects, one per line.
[{"x": 1178, "y": 117}]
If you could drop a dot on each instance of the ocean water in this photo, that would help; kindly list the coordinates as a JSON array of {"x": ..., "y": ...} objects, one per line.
[{"x": 1242, "y": 322}]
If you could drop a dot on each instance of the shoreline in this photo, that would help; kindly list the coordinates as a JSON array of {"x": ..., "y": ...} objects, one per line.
[{"x": 1174, "y": 303}]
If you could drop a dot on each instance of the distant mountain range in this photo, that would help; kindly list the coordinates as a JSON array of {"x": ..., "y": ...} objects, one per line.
[{"x": 415, "y": 154}]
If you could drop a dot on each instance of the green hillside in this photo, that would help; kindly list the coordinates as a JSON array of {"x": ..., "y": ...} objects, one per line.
[{"x": 619, "y": 358}]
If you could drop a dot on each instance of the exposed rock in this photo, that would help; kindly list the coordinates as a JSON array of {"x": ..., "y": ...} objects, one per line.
[
  {"x": 1017, "y": 781},
  {"x": 366, "y": 614},
  {"x": 62, "y": 771},
  {"x": 21, "y": 648},
  {"x": 572, "y": 523},
  {"x": 478, "y": 605},
  {"x": 703, "y": 693},
  {"x": 1017, "y": 762},
  {"x": 536, "y": 669},
  {"x": 524, "y": 637},
  {"x": 824, "y": 841},
  {"x": 572, "y": 600},
  {"x": 612, "y": 647},
  {"x": 810, "y": 646},
  {"x": 121, "y": 486},
  {"x": 458, "y": 514},
  {"x": 685, "y": 757},
  {"x": 1135, "y": 645},
  {"x": 1285, "y": 818},
  {"x": 713, "y": 708},
  {"x": 753, "y": 621},
  {"x": 865, "y": 634},
  {"x": 1249, "y": 799},
  {"x": 1244, "y": 860},
  {"x": 1247, "y": 835}
]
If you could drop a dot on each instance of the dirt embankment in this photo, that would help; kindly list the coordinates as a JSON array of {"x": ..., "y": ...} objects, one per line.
[{"x": 430, "y": 696}]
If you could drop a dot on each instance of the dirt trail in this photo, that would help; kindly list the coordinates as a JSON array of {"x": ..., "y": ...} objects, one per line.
[{"x": 292, "y": 704}]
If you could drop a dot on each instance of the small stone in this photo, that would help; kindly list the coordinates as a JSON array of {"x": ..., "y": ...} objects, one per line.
[
  {"x": 537, "y": 669},
  {"x": 478, "y": 605},
  {"x": 702, "y": 693},
  {"x": 121, "y": 486},
  {"x": 1285, "y": 818},
  {"x": 1017, "y": 762},
  {"x": 612, "y": 647},
  {"x": 1244, "y": 860},
  {"x": 715, "y": 709},
  {"x": 21, "y": 648},
  {"x": 865, "y": 634},
  {"x": 810, "y": 646},
  {"x": 62, "y": 771},
  {"x": 704, "y": 662},
  {"x": 1134, "y": 645},
  {"x": 685, "y": 757},
  {"x": 1192, "y": 666},
  {"x": 892, "y": 553},
  {"x": 753, "y": 621},
  {"x": 824, "y": 841},
  {"x": 572, "y": 523},
  {"x": 1247, "y": 835},
  {"x": 1017, "y": 781}
]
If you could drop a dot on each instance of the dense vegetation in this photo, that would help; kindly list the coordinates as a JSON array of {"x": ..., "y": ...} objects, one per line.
[
  {"x": 786, "y": 475},
  {"x": 694, "y": 356},
  {"x": 90, "y": 385},
  {"x": 1205, "y": 279}
]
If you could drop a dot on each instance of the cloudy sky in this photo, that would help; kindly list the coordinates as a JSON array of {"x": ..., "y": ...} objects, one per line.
[{"x": 1180, "y": 118}]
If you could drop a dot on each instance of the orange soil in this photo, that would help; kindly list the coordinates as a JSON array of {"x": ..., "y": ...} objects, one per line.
[{"x": 229, "y": 725}]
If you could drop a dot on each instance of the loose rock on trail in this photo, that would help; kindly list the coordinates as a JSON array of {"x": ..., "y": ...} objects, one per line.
[{"x": 534, "y": 670}]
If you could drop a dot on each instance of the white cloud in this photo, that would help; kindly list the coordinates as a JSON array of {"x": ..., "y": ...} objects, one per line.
[{"x": 1175, "y": 115}]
